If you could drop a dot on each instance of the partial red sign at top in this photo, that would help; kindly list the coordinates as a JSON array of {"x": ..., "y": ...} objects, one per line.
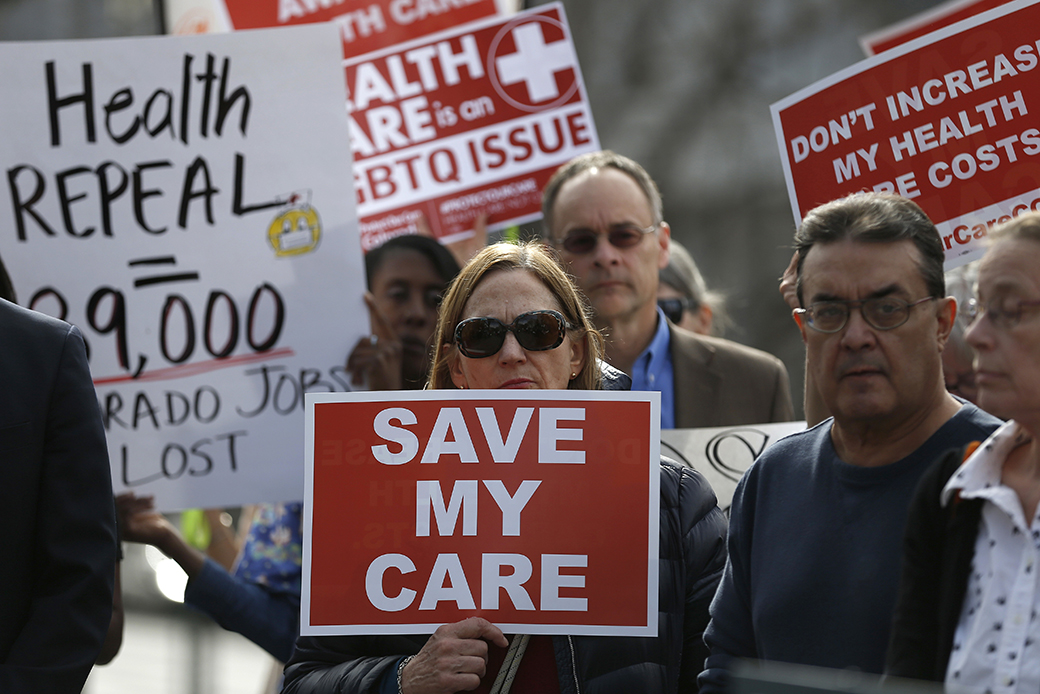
[
  {"x": 364, "y": 25},
  {"x": 925, "y": 23}
]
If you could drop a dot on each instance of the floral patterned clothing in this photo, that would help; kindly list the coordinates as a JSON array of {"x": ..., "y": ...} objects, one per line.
[
  {"x": 261, "y": 598},
  {"x": 273, "y": 551}
]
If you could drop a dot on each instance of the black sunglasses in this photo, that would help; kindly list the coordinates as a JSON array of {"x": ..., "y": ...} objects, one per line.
[
  {"x": 675, "y": 307},
  {"x": 536, "y": 331},
  {"x": 583, "y": 241}
]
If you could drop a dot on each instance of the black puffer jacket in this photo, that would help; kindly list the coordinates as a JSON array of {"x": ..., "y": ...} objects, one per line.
[{"x": 692, "y": 551}]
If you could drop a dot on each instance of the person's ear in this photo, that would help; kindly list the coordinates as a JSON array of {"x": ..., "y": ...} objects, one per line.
[
  {"x": 578, "y": 354},
  {"x": 664, "y": 237},
  {"x": 458, "y": 377},
  {"x": 946, "y": 313},
  {"x": 702, "y": 318}
]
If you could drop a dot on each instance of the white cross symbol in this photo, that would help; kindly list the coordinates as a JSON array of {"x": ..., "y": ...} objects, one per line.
[{"x": 535, "y": 62}]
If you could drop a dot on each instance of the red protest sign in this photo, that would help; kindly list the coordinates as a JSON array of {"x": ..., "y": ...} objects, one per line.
[
  {"x": 364, "y": 25},
  {"x": 537, "y": 511},
  {"x": 925, "y": 23},
  {"x": 947, "y": 120},
  {"x": 472, "y": 120}
]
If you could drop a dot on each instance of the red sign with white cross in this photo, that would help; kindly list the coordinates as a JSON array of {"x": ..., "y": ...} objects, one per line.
[
  {"x": 469, "y": 121},
  {"x": 537, "y": 511},
  {"x": 948, "y": 120}
]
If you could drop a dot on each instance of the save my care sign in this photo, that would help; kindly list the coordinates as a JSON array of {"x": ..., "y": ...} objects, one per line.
[
  {"x": 185, "y": 202},
  {"x": 537, "y": 511}
]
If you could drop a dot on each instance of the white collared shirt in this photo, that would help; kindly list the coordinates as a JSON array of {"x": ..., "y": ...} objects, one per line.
[{"x": 996, "y": 647}]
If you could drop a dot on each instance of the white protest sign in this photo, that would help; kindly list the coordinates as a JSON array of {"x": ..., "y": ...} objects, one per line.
[
  {"x": 187, "y": 203},
  {"x": 722, "y": 454}
]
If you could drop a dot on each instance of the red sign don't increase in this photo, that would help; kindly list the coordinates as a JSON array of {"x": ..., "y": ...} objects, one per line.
[
  {"x": 537, "y": 511},
  {"x": 948, "y": 120}
]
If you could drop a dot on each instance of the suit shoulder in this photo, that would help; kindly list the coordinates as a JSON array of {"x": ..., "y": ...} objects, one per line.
[
  {"x": 975, "y": 421},
  {"x": 738, "y": 352},
  {"x": 33, "y": 340},
  {"x": 22, "y": 321},
  {"x": 726, "y": 351}
]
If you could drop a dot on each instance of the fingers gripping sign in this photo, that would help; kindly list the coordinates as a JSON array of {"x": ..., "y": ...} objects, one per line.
[
  {"x": 454, "y": 659},
  {"x": 376, "y": 360}
]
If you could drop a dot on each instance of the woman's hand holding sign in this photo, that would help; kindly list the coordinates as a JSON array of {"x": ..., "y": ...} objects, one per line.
[{"x": 453, "y": 660}]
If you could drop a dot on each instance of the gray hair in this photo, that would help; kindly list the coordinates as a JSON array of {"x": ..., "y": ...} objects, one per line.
[
  {"x": 875, "y": 218},
  {"x": 683, "y": 275},
  {"x": 599, "y": 160}
]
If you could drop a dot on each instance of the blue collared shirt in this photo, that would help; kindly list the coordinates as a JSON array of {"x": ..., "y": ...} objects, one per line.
[{"x": 653, "y": 371}]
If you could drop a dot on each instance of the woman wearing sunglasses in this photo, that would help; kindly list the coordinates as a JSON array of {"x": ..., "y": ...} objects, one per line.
[
  {"x": 513, "y": 319},
  {"x": 970, "y": 598}
]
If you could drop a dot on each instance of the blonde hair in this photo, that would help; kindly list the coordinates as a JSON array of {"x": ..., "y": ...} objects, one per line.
[{"x": 540, "y": 261}]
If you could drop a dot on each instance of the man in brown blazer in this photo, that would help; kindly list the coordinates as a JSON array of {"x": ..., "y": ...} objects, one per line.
[{"x": 603, "y": 212}]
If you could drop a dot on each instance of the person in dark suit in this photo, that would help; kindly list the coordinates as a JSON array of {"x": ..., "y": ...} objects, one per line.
[
  {"x": 56, "y": 508},
  {"x": 603, "y": 212}
]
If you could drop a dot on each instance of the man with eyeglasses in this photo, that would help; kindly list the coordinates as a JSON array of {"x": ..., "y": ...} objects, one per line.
[
  {"x": 603, "y": 212},
  {"x": 817, "y": 522}
]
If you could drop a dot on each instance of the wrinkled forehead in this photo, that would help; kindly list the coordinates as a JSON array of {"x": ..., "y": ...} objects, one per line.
[
  {"x": 1010, "y": 266},
  {"x": 600, "y": 197},
  {"x": 406, "y": 266},
  {"x": 507, "y": 292},
  {"x": 850, "y": 269}
]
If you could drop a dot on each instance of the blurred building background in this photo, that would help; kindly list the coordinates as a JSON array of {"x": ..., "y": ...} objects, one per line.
[{"x": 683, "y": 87}]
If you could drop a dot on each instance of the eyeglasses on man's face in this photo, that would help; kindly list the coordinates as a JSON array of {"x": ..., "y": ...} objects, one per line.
[
  {"x": 1001, "y": 314},
  {"x": 581, "y": 241},
  {"x": 536, "y": 331},
  {"x": 880, "y": 313}
]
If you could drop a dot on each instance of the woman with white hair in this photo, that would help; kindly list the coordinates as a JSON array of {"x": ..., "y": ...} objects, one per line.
[
  {"x": 969, "y": 600},
  {"x": 684, "y": 296}
]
